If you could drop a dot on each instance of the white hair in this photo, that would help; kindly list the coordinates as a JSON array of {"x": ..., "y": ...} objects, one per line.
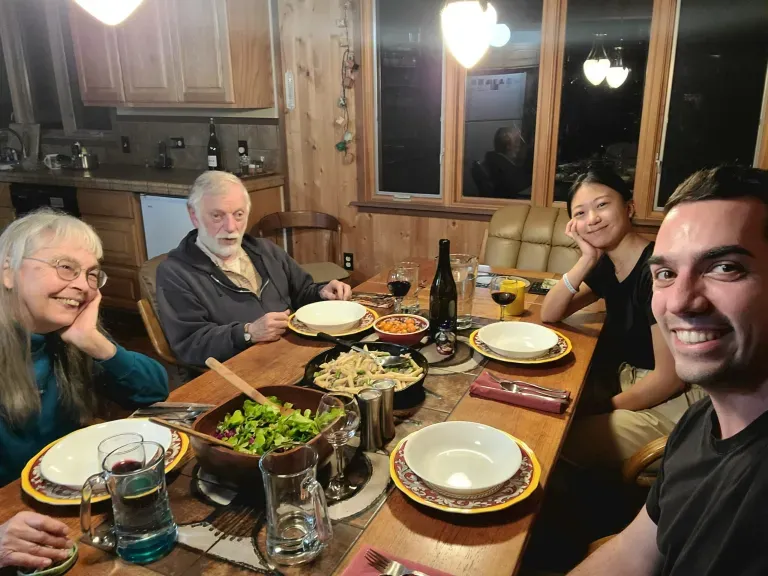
[{"x": 213, "y": 183}]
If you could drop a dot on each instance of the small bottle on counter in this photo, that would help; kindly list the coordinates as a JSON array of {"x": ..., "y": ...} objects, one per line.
[
  {"x": 252, "y": 169},
  {"x": 214, "y": 149},
  {"x": 260, "y": 165}
]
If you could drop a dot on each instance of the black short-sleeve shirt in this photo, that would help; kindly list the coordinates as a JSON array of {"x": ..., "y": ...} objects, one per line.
[
  {"x": 710, "y": 499},
  {"x": 627, "y": 331}
]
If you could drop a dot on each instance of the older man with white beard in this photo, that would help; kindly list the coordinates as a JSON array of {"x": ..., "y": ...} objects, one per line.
[{"x": 222, "y": 290}]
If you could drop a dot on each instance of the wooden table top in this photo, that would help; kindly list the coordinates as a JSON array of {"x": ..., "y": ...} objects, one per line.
[{"x": 487, "y": 544}]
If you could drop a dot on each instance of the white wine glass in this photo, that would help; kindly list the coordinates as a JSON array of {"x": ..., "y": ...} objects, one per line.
[{"x": 338, "y": 434}]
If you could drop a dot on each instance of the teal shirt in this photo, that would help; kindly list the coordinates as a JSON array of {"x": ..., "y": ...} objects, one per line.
[{"x": 127, "y": 377}]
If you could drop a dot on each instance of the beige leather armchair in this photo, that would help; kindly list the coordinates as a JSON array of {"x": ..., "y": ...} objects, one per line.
[{"x": 530, "y": 238}]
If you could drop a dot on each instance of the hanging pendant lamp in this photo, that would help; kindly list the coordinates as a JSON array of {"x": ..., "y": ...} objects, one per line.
[
  {"x": 597, "y": 63},
  {"x": 468, "y": 26},
  {"x": 617, "y": 73},
  {"x": 110, "y": 12}
]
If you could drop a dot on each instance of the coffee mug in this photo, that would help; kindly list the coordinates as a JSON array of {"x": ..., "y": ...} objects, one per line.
[{"x": 52, "y": 162}]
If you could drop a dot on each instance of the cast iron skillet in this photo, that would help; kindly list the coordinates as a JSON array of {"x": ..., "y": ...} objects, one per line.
[{"x": 404, "y": 399}]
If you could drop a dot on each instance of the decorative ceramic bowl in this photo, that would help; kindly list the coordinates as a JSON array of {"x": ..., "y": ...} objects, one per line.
[
  {"x": 331, "y": 316},
  {"x": 404, "y": 339},
  {"x": 518, "y": 339},
  {"x": 463, "y": 459}
]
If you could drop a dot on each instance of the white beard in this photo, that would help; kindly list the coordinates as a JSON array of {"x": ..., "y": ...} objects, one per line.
[{"x": 212, "y": 243}]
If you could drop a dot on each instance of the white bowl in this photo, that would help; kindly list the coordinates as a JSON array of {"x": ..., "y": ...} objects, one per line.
[
  {"x": 518, "y": 339},
  {"x": 331, "y": 316},
  {"x": 75, "y": 457},
  {"x": 463, "y": 458}
]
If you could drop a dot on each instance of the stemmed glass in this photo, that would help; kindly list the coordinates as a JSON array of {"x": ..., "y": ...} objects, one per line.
[
  {"x": 500, "y": 292},
  {"x": 338, "y": 435},
  {"x": 399, "y": 283}
]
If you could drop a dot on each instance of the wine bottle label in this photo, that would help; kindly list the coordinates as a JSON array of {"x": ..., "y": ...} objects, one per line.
[{"x": 212, "y": 162}]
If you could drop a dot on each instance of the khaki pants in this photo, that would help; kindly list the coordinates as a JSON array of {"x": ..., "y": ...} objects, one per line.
[{"x": 606, "y": 440}]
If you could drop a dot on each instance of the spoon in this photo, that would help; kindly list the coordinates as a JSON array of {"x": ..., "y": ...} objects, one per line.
[
  {"x": 386, "y": 362},
  {"x": 243, "y": 386},
  {"x": 191, "y": 432}
]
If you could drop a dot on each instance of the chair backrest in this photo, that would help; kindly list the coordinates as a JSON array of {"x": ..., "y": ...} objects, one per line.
[
  {"x": 155, "y": 331},
  {"x": 530, "y": 238},
  {"x": 279, "y": 221},
  {"x": 148, "y": 279}
]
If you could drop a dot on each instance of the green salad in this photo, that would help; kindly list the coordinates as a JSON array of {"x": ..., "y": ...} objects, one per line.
[{"x": 258, "y": 428}]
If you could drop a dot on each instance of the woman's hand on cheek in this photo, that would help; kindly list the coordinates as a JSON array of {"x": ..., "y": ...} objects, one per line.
[
  {"x": 84, "y": 333},
  {"x": 587, "y": 250}
]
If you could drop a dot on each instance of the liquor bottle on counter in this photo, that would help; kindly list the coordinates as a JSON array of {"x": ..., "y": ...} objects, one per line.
[
  {"x": 442, "y": 296},
  {"x": 214, "y": 150}
]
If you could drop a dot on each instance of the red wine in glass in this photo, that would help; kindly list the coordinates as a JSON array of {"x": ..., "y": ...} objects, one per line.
[
  {"x": 399, "y": 288},
  {"x": 126, "y": 467},
  {"x": 503, "y": 298}
]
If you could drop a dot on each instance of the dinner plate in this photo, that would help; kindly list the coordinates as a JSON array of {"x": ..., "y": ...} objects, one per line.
[
  {"x": 72, "y": 460},
  {"x": 560, "y": 350},
  {"x": 367, "y": 322},
  {"x": 35, "y": 485},
  {"x": 514, "y": 490},
  {"x": 519, "y": 340}
]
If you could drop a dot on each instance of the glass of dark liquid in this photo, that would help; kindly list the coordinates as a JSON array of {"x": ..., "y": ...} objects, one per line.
[
  {"x": 501, "y": 294},
  {"x": 134, "y": 476},
  {"x": 399, "y": 284}
]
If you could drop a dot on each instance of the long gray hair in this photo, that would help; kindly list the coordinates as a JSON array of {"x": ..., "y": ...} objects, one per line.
[{"x": 19, "y": 394}]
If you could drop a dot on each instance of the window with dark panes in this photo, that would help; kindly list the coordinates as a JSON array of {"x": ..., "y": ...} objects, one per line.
[
  {"x": 600, "y": 112},
  {"x": 717, "y": 90},
  {"x": 409, "y": 96},
  {"x": 501, "y": 92}
]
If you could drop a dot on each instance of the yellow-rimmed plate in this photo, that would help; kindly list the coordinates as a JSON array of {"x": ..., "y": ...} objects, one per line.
[
  {"x": 365, "y": 323},
  {"x": 559, "y": 350},
  {"x": 35, "y": 484},
  {"x": 514, "y": 490}
]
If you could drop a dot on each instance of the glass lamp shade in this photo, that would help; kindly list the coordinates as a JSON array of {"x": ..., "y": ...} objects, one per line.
[
  {"x": 110, "y": 12},
  {"x": 467, "y": 30},
  {"x": 501, "y": 35},
  {"x": 617, "y": 73},
  {"x": 597, "y": 64}
]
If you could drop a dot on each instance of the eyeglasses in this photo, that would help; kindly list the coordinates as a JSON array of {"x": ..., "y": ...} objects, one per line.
[{"x": 70, "y": 270}]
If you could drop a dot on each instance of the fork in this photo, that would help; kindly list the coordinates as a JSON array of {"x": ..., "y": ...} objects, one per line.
[
  {"x": 543, "y": 389},
  {"x": 387, "y": 566}
]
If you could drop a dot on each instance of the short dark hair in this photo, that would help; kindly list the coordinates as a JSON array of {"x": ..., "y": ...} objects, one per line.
[
  {"x": 721, "y": 183},
  {"x": 599, "y": 173},
  {"x": 505, "y": 138}
]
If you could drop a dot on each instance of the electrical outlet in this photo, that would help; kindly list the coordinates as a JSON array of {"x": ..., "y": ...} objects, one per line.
[
  {"x": 178, "y": 143},
  {"x": 125, "y": 144},
  {"x": 242, "y": 147},
  {"x": 349, "y": 261}
]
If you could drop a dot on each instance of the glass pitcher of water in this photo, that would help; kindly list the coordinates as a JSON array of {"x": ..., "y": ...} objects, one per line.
[
  {"x": 298, "y": 525},
  {"x": 134, "y": 476}
]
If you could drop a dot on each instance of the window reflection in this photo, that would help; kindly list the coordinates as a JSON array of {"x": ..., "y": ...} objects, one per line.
[{"x": 600, "y": 122}]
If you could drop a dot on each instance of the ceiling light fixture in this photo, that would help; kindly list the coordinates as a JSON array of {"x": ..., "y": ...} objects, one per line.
[
  {"x": 500, "y": 35},
  {"x": 597, "y": 63},
  {"x": 617, "y": 73},
  {"x": 467, "y": 29},
  {"x": 110, "y": 12}
]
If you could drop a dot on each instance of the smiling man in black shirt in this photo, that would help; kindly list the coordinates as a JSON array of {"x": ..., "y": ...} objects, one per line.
[{"x": 706, "y": 514}]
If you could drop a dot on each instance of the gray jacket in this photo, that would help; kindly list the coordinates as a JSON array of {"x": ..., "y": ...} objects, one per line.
[{"x": 204, "y": 314}]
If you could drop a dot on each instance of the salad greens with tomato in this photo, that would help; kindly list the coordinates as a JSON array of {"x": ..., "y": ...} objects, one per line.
[{"x": 258, "y": 428}]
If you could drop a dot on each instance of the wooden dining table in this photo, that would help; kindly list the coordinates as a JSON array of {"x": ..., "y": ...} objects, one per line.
[{"x": 488, "y": 544}]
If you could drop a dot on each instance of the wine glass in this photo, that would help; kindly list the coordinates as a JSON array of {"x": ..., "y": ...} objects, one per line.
[
  {"x": 399, "y": 283},
  {"x": 501, "y": 293},
  {"x": 338, "y": 434}
]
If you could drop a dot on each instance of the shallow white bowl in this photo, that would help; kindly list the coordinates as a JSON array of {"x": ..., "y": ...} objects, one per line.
[
  {"x": 331, "y": 316},
  {"x": 75, "y": 457},
  {"x": 518, "y": 339},
  {"x": 463, "y": 458}
]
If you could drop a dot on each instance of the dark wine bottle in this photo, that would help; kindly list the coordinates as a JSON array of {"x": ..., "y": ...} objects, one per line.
[
  {"x": 214, "y": 150},
  {"x": 442, "y": 296}
]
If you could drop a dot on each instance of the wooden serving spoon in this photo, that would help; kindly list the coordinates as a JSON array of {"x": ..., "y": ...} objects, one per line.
[
  {"x": 191, "y": 432},
  {"x": 243, "y": 386}
]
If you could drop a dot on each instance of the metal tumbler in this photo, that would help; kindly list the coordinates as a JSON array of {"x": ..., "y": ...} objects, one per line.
[
  {"x": 387, "y": 389},
  {"x": 369, "y": 401}
]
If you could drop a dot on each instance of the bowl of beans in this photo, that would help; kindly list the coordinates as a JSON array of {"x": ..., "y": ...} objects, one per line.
[{"x": 404, "y": 329}]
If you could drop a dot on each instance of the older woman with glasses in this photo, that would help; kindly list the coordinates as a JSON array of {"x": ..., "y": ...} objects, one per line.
[{"x": 55, "y": 360}]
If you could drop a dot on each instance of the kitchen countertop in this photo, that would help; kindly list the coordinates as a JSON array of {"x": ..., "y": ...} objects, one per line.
[{"x": 172, "y": 182}]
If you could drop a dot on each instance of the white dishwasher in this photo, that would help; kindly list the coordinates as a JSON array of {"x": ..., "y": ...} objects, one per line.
[{"x": 166, "y": 222}]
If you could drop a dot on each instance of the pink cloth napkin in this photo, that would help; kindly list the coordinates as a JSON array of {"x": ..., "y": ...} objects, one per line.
[
  {"x": 485, "y": 387},
  {"x": 360, "y": 567}
]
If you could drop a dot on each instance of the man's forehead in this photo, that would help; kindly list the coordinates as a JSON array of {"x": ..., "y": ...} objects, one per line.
[
  {"x": 231, "y": 195},
  {"x": 694, "y": 227}
]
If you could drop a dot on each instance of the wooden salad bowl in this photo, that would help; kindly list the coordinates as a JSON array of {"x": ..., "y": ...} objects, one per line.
[{"x": 240, "y": 467}]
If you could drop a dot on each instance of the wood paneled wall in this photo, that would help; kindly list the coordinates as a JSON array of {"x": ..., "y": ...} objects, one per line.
[{"x": 319, "y": 178}]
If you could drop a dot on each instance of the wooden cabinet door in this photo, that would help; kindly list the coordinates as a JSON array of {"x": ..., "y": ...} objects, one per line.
[
  {"x": 201, "y": 51},
  {"x": 120, "y": 238},
  {"x": 97, "y": 59},
  {"x": 146, "y": 54}
]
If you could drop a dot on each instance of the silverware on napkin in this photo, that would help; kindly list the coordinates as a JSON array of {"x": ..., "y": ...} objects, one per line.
[
  {"x": 529, "y": 386},
  {"x": 387, "y": 566}
]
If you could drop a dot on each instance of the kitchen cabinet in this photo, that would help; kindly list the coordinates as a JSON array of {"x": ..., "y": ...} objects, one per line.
[
  {"x": 201, "y": 51},
  {"x": 146, "y": 55},
  {"x": 7, "y": 214},
  {"x": 98, "y": 61},
  {"x": 178, "y": 53}
]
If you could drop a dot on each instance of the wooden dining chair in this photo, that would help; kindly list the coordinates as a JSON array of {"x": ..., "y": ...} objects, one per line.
[
  {"x": 321, "y": 272},
  {"x": 155, "y": 331}
]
